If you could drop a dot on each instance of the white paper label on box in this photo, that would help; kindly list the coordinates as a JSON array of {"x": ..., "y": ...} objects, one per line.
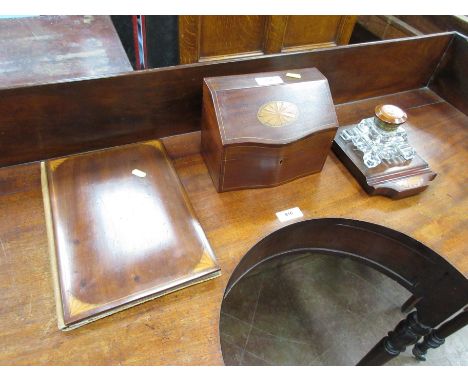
[
  {"x": 292, "y": 213},
  {"x": 293, "y": 75},
  {"x": 265, "y": 81},
  {"x": 139, "y": 173}
]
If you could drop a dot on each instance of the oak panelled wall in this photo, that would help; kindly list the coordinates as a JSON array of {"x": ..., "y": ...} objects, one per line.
[{"x": 206, "y": 38}]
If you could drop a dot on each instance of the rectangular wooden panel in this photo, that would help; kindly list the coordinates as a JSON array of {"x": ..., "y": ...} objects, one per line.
[
  {"x": 311, "y": 30},
  {"x": 217, "y": 36},
  {"x": 57, "y": 119},
  {"x": 121, "y": 231}
]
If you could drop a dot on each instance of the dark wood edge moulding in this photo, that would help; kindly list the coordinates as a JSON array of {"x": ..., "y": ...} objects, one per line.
[{"x": 62, "y": 118}]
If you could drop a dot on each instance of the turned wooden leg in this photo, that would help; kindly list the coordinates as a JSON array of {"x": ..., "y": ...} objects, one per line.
[
  {"x": 410, "y": 304},
  {"x": 437, "y": 337},
  {"x": 407, "y": 332}
]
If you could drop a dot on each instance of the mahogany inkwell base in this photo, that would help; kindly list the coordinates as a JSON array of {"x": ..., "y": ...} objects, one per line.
[{"x": 395, "y": 182}]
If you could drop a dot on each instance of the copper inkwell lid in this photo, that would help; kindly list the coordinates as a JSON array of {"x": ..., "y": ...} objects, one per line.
[{"x": 390, "y": 114}]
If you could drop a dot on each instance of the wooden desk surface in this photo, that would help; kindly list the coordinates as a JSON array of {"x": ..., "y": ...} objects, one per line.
[
  {"x": 36, "y": 50},
  {"x": 182, "y": 328}
]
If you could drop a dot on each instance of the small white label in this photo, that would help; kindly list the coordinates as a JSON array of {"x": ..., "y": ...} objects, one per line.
[
  {"x": 139, "y": 173},
  {"x": 265, "y": 81},
  {"x": 292, "y": 213},
  {"x": 293, "y": 75}
]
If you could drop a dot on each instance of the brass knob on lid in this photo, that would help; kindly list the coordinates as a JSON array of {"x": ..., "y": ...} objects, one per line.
[{"x": 390, "y": 114}]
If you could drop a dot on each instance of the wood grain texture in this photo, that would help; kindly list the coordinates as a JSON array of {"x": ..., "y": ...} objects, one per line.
[
  {"x": 63, "y": 118},
  {"x": 274, "y": 34},
  {"x": 35, "y": 50},
  {"x": 450, "y": 80},
  {"x": 309, "y": 32},
  {"x": 189, "y": 27},
  {"x": 433, "y": 24},
  {"x": 230, "y": 36},
  {"x": 346, "y": 29},
  {"x": 377, "y": 25},
  {"x": 387, "y": 27},
  {"x": 208, "y": 38},
  {"x": 267, "y": 166},
  {"x": 238, "y": 101},
  {"x": 182, "y": 328},
  {"x": 119, "y": 239}
]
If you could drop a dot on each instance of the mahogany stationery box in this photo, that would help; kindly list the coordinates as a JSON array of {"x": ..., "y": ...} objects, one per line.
[
  {"x": 265, "y": 129},
  {"x": 121, "y": 231}
]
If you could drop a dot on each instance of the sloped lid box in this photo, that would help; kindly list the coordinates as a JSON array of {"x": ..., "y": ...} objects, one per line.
[{"x": 265, "y": 129}]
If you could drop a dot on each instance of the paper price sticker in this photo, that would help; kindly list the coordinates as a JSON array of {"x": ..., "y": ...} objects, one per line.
[
  {"x": 291, "y": 214},
  {"x": 265, "y": 81},
  {"x": 139, "y": 173}
]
